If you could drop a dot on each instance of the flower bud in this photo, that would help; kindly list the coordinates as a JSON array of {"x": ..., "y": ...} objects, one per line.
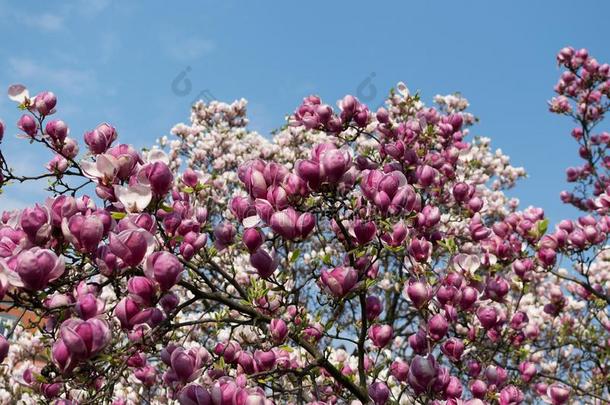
[
  {"x": 264, "y": 360},
  {"x": 419, "y": 342},
  {"x": 488, "y": 316},
  {"x": 264, "y": 263},
  {"x": 335, "y": 162},
  {"x": 34, "y": 221},
  {"x": 45, "y": 102},
  {"x": 425, "y": 175},
  {"x": 88, "y": 306},
  {"x": 142, "y": 290},
  {"x": 364, "y": 231},
  {"x": 400, "y": 370},
  {"x": 418, "y": 292},
  {"x": 454, "y": 388},
  {"x": 37, "y": 268},
  {"x": 558, "y": 393},
  {"x": 28, "y": 125},
  {"x": 194, "y": 395},
  {"x": 224, "y": 234},
  {"x": 57, "y": 130},
  {"x": 422, "y": 373},
  {"x": 164, "y": 268},
  {"x": 159, "y": 176},
  {"x": 527, "y": 370},
  {"x": 84, "y": 339},
  {"x": 379, "y": 393},
  {"x": 420, "y": 249},
  {"x": 339, "y": 281},
  {"x": 374, "y": 307},
  {"x": 132, "y": 245},
  {"x": 253, "y": 239},
  {"x": 380, "y": 335},
  {"x": 510, "y": 395},
  {"x": 169, "y": 301},
  {"x": 278, "y": 330},
  {"x": 478, "y": 389},
  {"x": 4, "y": 347},
  {"x": 437, "y": 327}
]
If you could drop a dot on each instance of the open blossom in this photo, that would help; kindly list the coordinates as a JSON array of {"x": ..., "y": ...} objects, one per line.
[{"x": 33, "y": 269}]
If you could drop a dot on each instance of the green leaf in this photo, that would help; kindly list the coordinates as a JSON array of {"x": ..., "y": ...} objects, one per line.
[
  {"x": 166, "y": 208},
  {"x": 295, "y": 255},
  {"x": 326, "y": 259},
  {"x": 542, "y": 226},
  {"x": 118, "y": 215}
]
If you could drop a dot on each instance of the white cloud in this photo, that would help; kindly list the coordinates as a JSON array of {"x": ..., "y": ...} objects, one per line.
[
  {"x": 72, "y": 80},
  {"x": 187, "y": 49},
  {"x": 44, "y": 22}
]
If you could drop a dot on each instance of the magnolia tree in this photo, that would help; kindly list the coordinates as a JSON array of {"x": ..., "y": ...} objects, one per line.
[{"x": 357, "y": 257}]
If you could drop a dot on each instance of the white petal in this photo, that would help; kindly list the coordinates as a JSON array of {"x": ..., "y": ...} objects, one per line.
[
  {"x": 135, "y": 198},
  {"x": 251, "y": 222},
  {"x": 18, "y": 93},
  {"x": 157, "y": 155},
  {"x": 90, "y": 170}
]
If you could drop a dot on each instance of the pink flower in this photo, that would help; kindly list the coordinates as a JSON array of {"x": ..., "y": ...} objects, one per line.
[
  {"x": 422, "y": 373},
  {"x": 558, "y": 393},
  {"x": 33, "y": 269},
  {"x": 100, "y": 139},
  {"x": 264, "y": 263},
  {"x": 194, "y": 395},
  {"x": 186, "y": 365},
  {"x": 164, "y": 268},
  {"x": 45, "y": 103},
  {"x": 4, "y": 346},
  {"x": 380, "y": 335},
  {"x": 85, "y": 339},
  {"x": 132, "y": 246},
  {"x": 339, "y": 281},
  {"x": 278, "y": 330},
  {"x": 379, "y": 393},
  {"x": 84, "y": 232}
]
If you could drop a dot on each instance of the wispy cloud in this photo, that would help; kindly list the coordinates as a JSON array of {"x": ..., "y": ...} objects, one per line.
[
  {"x": 75, "y": 81},
  {"x": 186, "y": 49},
  {"x": 50, "y": 21},
  {"x": 45, "y": 22}
]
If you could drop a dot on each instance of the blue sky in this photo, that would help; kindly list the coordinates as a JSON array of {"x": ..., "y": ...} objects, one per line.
[{"x": 117, "y": 62}]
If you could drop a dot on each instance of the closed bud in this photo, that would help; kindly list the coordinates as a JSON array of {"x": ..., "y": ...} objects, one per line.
[
  {"x": 45, "y": 102},
  {"x": 437, "y": 327},
  {"x": 28, "y": 125},
  {"x": 380, "y": 335},
  {"x": 418, "y": 292},
  {"x": 278, "y": 330},
  {"x": 4, "y": 347},
  {"x": 264, "y": 263},
  {"x": 400, "y": 370},
  {"x": 558, "y": 393},
  {"x": 379, "y": 393},
  {"x": 488, "y": 316},
  {"x": 57, "y": 130},
  {"x": 373, "y": 307},
  {"x": 194, "y": 395},
  {"x": 253, "y": 239},
  {"x": 339, "y": 281},
  {"x": 422, "y": 373},
  {"x": 165, "y": 268}
]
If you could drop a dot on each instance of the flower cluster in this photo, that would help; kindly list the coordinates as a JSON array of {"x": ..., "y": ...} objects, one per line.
[{"x": 358, "y": 256}]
